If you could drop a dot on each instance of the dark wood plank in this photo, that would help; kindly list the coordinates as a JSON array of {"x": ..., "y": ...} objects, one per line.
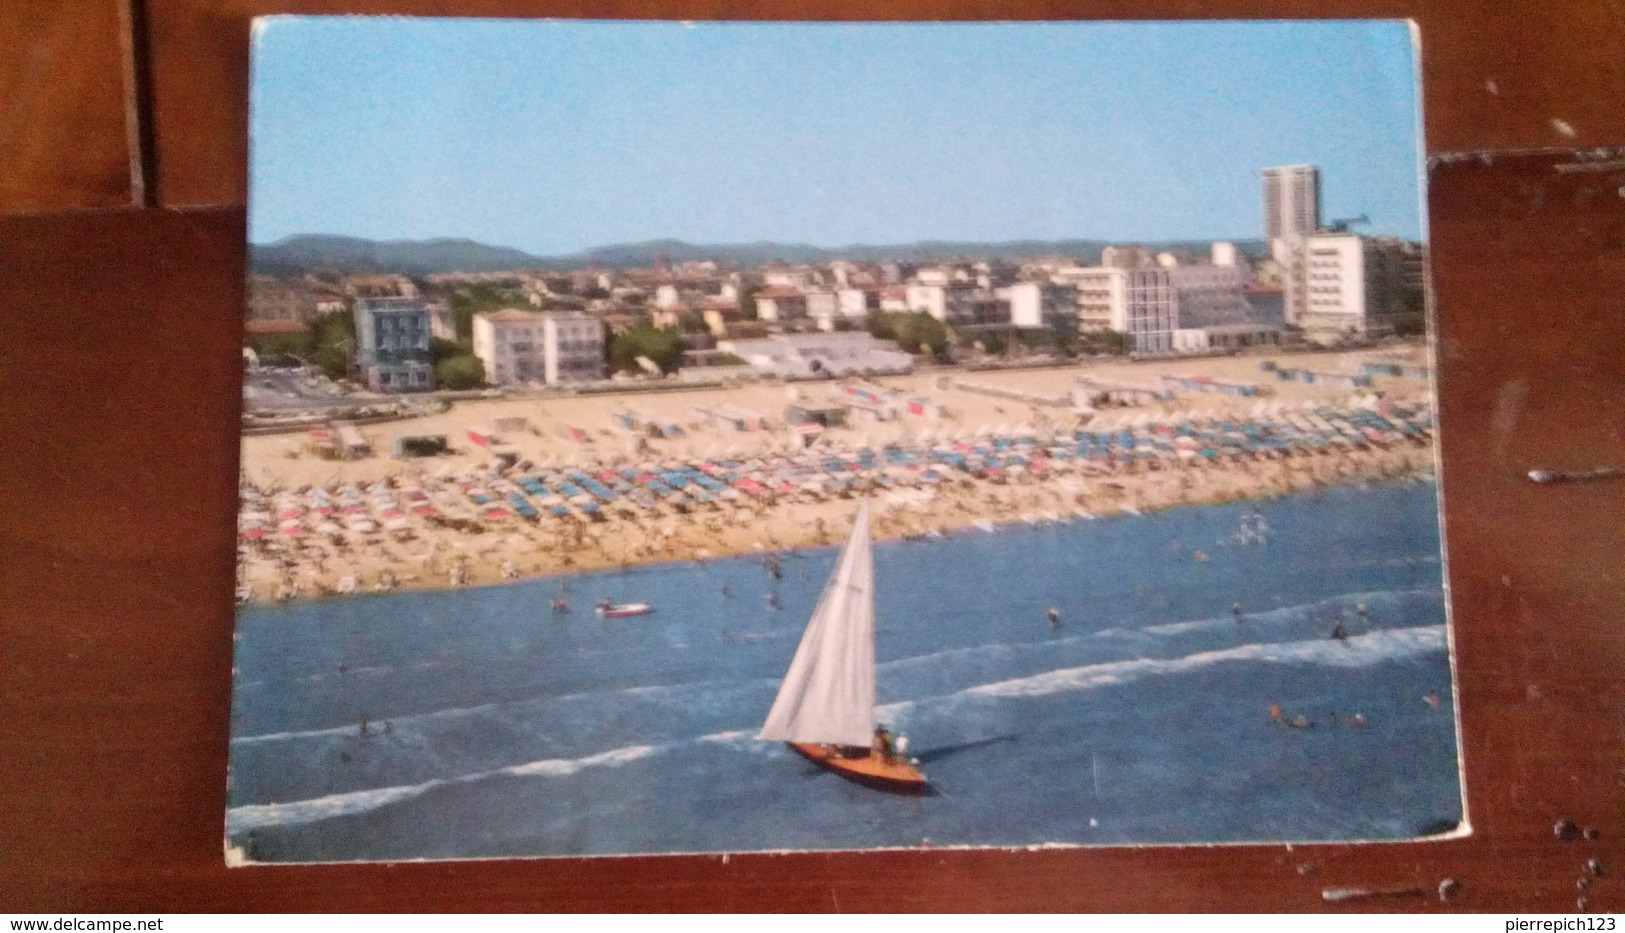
[{"x": 62, "y": 107}]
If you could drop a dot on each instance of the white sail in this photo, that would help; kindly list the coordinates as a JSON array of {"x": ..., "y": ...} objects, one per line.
[{"x": 828, "y": 695}]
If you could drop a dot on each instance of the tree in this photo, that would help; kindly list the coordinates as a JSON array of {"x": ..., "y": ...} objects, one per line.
[
  {"x": 443, "y": 350},
  {"x": 475, "y": 299},
  {"x": 272, "y": 346},
  {"x": 661, "y": 346},
  {"x": 1103, "y": 341},
  {"x": 912, "y": 330},
  {"x": 747, "y": 303},
  {"x": 460, "y": 372},
  {"x": 335, "y": 344}
]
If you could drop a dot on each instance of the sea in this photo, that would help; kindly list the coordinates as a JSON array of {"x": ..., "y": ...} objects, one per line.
[{"x": 1266, "y": 671}]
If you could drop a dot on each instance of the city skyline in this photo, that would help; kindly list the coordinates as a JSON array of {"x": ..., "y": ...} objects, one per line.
[{"x": 558, "y": 138}]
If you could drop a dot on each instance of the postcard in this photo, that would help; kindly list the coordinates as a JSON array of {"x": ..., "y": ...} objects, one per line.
[{"x": 738, "y": 437}]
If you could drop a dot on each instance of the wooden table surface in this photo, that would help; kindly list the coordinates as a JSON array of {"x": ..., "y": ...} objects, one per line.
[{"x": 123, "y": 146}]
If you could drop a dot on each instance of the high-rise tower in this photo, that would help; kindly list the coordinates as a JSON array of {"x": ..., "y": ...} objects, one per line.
[{"x": 1291, "y": 206}]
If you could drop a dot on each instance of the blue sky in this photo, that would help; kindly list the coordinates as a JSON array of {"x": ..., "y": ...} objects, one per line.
[{"x": 554, "y": 137}]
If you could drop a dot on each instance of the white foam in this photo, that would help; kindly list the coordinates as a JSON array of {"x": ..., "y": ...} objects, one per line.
[
  {"x": 1357, "y": 651},
  {"x": 299, "y": 812}
]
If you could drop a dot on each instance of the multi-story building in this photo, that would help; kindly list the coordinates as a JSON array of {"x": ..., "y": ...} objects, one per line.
[
  {"x": 572, "y": 347},
  {"x": 1291, "y": 206},
  {"x": 959, "y": 303},
  {"x": 509, "y": 343},
  {"x": 1040, "y": 305},
  {"x": 1209, "y": 296},
  {"x": 822, "y": 306},
  {"x": 779, "y": 304},
  {"x": 1141, "y": 304},
  {"x": 392, "y": 338},
  {"x": 857, "y": 303},
  {"x": 271, "y": 299},
  {"x": 539, "y": 346},
  {"x": 1359, "y": 287}
]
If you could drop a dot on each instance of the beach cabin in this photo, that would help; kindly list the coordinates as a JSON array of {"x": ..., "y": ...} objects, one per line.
[
  {"x": 1092, "y": 392},
  {"x": 512, "y": 424},
  {"x": 738, "y": 419},
  {"x": 352, "y": 444},
  {"x": 1211, "y": 385},
  {"x": 1398, "y": 369},
  {"x": 823, "y": 414},
  {"x": 663, "y": 427},
  {"x": 1331, "y": 380},
  {"x": 404, "y": 446}
]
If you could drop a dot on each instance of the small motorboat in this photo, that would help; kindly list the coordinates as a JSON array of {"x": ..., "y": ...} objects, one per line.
[{"x": 622, "y": 610}]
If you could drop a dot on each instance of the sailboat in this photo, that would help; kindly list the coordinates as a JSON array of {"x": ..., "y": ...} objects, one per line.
[{"x": 825, "y": 710}]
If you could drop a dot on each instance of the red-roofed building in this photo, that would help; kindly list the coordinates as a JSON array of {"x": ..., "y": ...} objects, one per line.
[{"x": 781, "y": 305}]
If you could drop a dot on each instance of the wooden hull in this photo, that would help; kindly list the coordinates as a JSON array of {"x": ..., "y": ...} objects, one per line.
[{"x": 895, "y": 777}]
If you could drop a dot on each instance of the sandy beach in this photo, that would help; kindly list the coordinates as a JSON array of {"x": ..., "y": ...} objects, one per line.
[{"x": 288, "y": 550}]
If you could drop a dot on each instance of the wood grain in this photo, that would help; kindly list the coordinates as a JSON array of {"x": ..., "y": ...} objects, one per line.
[{"x": 63, "y": 140}]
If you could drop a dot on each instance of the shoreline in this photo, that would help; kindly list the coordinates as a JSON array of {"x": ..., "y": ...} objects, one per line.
[{"x": 532, "y": 552}]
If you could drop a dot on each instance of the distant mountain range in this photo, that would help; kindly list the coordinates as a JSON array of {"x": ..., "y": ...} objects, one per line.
[{"x": 323, "y": 253}]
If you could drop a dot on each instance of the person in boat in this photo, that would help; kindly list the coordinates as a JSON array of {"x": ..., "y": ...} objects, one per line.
[
  {"x": 883, "y": 747},
  {"x": 603, "y": 604}
]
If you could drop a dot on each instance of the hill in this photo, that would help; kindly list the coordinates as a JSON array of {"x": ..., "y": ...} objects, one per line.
[{"x": 322, "y": 253}]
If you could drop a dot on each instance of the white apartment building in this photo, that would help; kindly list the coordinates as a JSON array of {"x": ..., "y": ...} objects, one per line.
[
  {"x": 509, "y": 342},
  {"x": 1141, "y": 304},
  {"x": 822, "y": 306},
  {"x": 572, "y": 347},
  {"x": 857, "y": 303},
  {"x": 932, "y": 298},
  {"x": 1360, "y": 287},
  {"x": 539, "y": 346},
  {"x": 958, "y": 303},
  {"x": 1035, "y": 304}
]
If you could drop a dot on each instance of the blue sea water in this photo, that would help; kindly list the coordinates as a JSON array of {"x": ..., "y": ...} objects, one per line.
[{"x": 496, "y": 728}]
